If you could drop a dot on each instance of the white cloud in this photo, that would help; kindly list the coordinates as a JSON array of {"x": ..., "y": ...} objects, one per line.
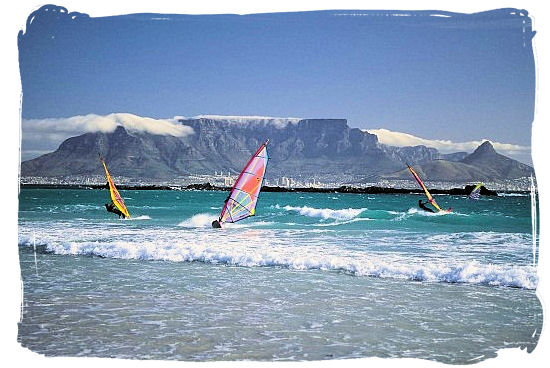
[
  {"x": 246, "y": 120},
  {"x": 45, "y": 135},
  {"x": 520, "y": 153},
  {"x": 106, "y": 124},
  {"x": 445, "y": 146}
]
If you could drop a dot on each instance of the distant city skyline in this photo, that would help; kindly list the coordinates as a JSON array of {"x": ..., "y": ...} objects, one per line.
[{"x": 435, "y": 75}]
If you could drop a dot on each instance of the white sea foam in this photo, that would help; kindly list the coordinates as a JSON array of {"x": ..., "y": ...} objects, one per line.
[
  {"x": 199, "y": 220},
  {"x": 325, "y": 213},
  {"x": 204, "y": 220},
  {"x": 142, "y": 217},
  {"x": 293, "y": 249},
  {"x": 417, "y": 211},
  {"x": 338, "y": 223},
  {"x": 413, "y": 212}
]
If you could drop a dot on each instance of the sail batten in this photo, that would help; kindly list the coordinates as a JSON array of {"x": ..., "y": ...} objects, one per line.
[
  {"x": 116, "y": 198},
  {"x": 428, "y": 195},
  {"x": 241, "y": 202}
]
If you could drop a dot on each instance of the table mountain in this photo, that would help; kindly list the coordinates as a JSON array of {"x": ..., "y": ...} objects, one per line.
[{"x": 298, "y": 147}]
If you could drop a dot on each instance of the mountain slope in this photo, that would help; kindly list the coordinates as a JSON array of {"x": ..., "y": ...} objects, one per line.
[
  {"x": 483, "y": 164},
  {"x": 298, "y": 148},
  {"x": 307, "y": 147},
  {"x": 495, "y": 164}
]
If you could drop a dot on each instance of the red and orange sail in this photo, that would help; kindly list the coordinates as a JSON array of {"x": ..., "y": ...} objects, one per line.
[
  {"x": 115, "y": 195},
  {"x": 430, "y": 198},
  {"x": 242, "y": 200}
]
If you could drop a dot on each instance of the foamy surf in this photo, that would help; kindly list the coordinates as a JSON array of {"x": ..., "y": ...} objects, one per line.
[
  {"x": 324, "y": 213},
  {"x": 261, "y": 251},
  {"x": 199, "y": 220},
  {"x": 338, "y": 223},
  {"x": 416, "y": 211},
  {"x": 204, "y": 220},
  {"x": 142, "y": 217}
]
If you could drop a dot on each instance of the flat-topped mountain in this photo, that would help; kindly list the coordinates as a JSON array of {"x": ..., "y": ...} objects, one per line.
[{"x": 297, "y": 147}]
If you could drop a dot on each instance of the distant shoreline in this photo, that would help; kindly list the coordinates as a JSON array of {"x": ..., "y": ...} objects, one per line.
[{"x": 341, "y": 189}]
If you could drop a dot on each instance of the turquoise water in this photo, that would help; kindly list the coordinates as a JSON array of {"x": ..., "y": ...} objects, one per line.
[{"x": 312, "y": 276}]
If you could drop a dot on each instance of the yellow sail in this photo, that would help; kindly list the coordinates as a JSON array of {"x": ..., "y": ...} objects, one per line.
[
  {"x": 476, "y": 192},
  {"x": 430, "y": 198},
  {"x": 115, "y": 195}
]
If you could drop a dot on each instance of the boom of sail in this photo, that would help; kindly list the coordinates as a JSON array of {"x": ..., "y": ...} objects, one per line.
[
  {"x": 115, "y": 195},
  {"x": 241, "y": 202},
  {"x": 430, "y": 198}
]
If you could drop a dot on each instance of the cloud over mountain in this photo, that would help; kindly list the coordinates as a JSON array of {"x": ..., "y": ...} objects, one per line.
[
  {"x": 322, "y": 148},
  {"x": 45, "y": 135},
  {"x": 400, "y": 139}
]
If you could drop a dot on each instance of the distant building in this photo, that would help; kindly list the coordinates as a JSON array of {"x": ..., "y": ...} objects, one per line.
[
  {"x": 286, "y": 182},
  {"x": 228, "y": 181},
  {"x": 313, "y": 184}
]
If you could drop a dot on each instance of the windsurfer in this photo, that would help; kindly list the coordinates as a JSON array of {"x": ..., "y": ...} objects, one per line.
[
  {"x": 423, "y": 206},
  {"x": 217, "y": 224},
  {"x": 110, "y": 207},
  {"x": 241, "y": 201}
]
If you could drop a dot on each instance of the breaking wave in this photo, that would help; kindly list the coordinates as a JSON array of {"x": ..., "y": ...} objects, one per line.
[
  {"x": 250, "y": 247},
  {"x": 204, "y": 220},
  {"x": 199, "y": 220},
  {"x": 142, "y": 217},
  {"x": 325, "y": 213}
]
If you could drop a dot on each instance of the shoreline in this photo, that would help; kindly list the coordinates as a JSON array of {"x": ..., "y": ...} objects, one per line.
[{"x": 341, "y": 189}]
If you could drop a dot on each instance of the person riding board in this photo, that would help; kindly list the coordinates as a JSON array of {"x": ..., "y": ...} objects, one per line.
[
  {"x": 423, "y": 206},
  {"x": 217, "y": 224},
  {"x": 110, "y": 207}
]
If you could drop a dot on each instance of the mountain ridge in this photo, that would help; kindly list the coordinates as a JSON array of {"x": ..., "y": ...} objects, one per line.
[
  {"x": 482, "y": 164},
  {"x": 308, "y": 148}
]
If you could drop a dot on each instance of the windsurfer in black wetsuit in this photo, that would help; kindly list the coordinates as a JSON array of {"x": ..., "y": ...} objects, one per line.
[
  {"x": 217, "y": 224},
  {"x": 110, "y": 207},
  {"x": 423, "y": 206}
]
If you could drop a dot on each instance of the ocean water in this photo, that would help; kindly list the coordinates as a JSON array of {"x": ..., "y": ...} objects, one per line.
[{"x": 311, "y": 276}]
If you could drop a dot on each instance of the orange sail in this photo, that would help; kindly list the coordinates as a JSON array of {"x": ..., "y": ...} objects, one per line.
[
  {"x": 115, "y": 195},
  {"x": 430, "y": 198}
]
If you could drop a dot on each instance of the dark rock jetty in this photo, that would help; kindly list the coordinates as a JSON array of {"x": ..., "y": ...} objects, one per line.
[{"x": 207, "y": 186}]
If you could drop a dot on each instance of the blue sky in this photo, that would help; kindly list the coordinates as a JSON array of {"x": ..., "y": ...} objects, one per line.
[{"x": 448, "y": 77}]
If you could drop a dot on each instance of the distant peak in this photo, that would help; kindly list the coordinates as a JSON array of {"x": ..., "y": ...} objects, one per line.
[{"x": 485, "y": 147}]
